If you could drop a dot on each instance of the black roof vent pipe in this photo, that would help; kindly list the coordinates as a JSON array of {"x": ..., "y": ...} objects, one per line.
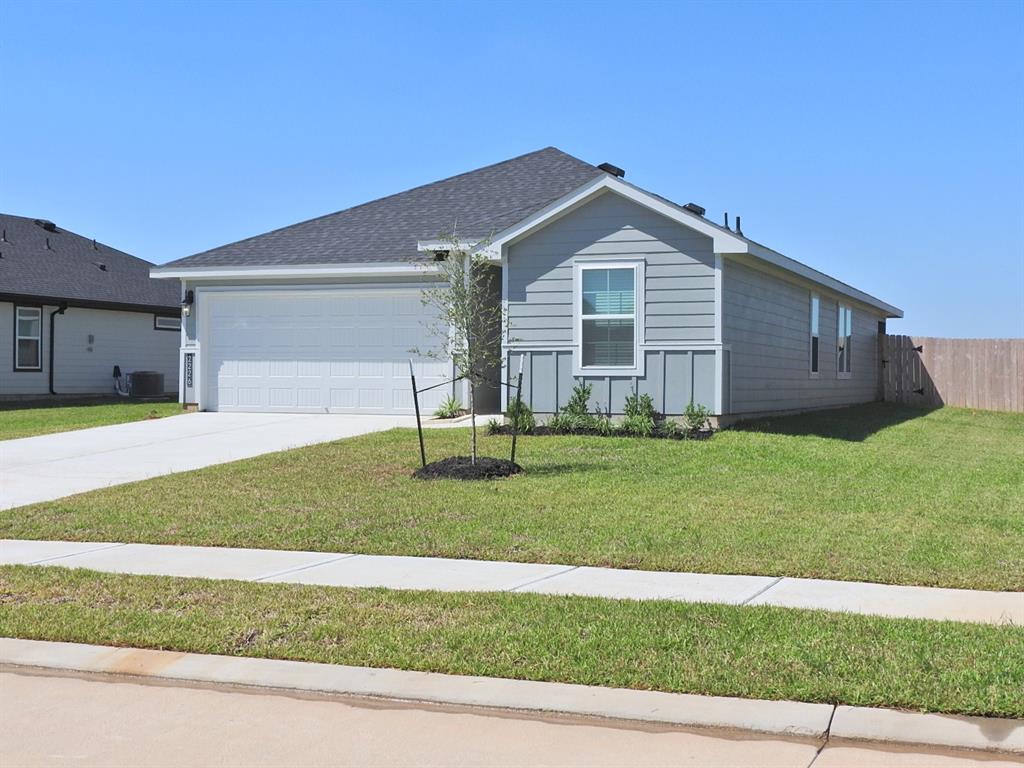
[
  {"x": 614, "y": 170},
  {"x": 739, "y": 231}
]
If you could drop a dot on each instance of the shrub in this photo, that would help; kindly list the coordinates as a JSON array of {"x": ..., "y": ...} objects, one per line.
[
  {"x": 638, "y": 425},
  {"x": 449, "y": 408},
  {"x": 579, "y": 400},
  {"x": 671, "y": 429},
  {"x": 696, "y": 417},
  {"x": 521, "y": 419},
  {"x": 640, "y": 407},
  {"x": 494, "y": 426}
]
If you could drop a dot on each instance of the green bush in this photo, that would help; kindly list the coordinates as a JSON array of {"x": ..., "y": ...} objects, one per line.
[
  {"x": 449, "y": 408},
  {"x": 696, "y": 417},
  {"x": 494, "y": 426},
  {"x": 638, "y": 426},
  {"x": 579, "y": 401},
  {"x": 521, "y": 419},
  {"x": 640, "y": 407},
  {"x": 671, "y": 429}
]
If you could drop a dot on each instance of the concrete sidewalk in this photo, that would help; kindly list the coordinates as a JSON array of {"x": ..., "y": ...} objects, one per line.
[
  {"x": 349, "y": 570},
  {"x": 48, "y": 467}
]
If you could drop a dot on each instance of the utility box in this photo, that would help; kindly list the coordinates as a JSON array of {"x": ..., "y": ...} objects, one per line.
[{"x": 146, "y": 384}]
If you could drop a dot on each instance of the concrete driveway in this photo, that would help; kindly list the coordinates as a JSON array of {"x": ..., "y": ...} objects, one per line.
[{"x": 51, "y": 466}]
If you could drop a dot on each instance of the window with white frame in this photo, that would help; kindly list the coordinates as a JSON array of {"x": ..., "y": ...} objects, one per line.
[
  {"x": 28, "y": 339},
  {"x": 166, "y": 323},
  {"x": 844, "y": 340},
  {"x": 815, "y": 327},
  {"x": 608, "y": 316}
]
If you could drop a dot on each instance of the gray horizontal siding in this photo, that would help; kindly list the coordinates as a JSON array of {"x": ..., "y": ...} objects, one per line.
[
  {"x": 679, "y": 272},
  {"x": 127, "y": 339},
  {"x": 766, "y": 323},
  {"x": 673, "y": 378}
]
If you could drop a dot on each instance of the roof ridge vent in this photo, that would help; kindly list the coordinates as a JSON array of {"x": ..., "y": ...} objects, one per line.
[
  {"x": 46, "y": 224},
  {"x": 694, "y": 208},
  {"x": 614, "y": 170}
]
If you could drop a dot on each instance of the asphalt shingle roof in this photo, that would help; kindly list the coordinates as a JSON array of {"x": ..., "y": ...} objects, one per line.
[
  {"x": 70, "y": 269},
  {"x": 482, "y": 202}
]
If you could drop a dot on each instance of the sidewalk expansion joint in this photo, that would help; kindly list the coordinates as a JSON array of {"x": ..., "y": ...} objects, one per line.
[
  {"x": 76, "y": 554},
  {"x": 317, "y": 564},
  {"x": 531, "y": 582},
  {"x": 762, "y": 591}
]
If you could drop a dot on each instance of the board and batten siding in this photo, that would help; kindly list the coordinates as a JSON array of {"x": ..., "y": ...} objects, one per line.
[
  {"x": 678, "y": 311},
  {"x": 766, "y": 326},
  {"x": 120, "y": 338}
]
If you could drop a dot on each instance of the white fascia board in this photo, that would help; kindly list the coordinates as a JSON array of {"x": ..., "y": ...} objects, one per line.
[
  {"x": 723, "y": 240},
  {"x": 430, "y": 246},
  {"x": 366, "y": 269},
  {"x": 809, "y": 273}
]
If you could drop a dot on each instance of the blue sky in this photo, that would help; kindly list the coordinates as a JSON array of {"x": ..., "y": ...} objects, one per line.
[{"x": 881, "y": 143}]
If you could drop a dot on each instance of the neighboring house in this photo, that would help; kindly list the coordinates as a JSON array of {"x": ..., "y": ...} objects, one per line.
[
  {"x": 602, "y": 281},
  {"x": 71, "y": 309}
]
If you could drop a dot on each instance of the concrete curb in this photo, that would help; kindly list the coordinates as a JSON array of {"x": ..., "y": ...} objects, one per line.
[
  {"x": 785, "y": 718},
  {"x": 986, "y": 733}
]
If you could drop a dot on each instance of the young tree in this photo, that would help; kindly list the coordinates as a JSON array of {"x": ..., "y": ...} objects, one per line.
[{"x": 468, "y": 321}]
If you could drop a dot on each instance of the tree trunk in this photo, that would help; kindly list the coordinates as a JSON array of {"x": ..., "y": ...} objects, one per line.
[{"x": 472, "y": 416}]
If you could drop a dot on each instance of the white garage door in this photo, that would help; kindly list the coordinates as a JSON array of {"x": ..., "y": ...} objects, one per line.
[{"x": 337, "y": 351}]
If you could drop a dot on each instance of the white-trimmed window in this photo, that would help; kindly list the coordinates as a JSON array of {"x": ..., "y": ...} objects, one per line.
[
  {"x": 608, "y": 321},
  {"x": 815, "y": 345},
  {"x": 844, "y": 341},
  {"x": 166, "y": 323},
  {"x": 28, "y": 338}
]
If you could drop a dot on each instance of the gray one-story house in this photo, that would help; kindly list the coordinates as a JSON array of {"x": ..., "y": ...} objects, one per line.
[
  {"x": 72, "y": 308},
  {"x": 601, "y": 281}
]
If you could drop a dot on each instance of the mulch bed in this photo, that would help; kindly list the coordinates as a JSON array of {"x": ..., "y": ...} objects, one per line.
[
  {"x": 463, "y": 468},
  {"x": 542, "y": 431}
]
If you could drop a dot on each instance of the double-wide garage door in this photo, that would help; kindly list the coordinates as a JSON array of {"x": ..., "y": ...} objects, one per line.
[{"x": 338, "y": 351}]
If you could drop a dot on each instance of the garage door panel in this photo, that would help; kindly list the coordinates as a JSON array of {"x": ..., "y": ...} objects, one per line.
[{"x": 344, "y": 351}]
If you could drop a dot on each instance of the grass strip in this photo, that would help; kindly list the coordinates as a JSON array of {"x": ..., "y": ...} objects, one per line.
[
  {"x": 873, "y": 493},
  {"x": 754, "y": 652},
  {"x": 27, "y": 420}
]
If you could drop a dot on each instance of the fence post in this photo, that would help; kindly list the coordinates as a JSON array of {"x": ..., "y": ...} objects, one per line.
[
  {"x": 416, "y": 405},
  {"x": 518, "y": 405}
]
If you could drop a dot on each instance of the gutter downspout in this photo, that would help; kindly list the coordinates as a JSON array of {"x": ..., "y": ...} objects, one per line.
[{"x": 58, "y": 311}]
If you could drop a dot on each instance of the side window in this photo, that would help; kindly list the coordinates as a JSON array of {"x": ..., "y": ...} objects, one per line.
[
  {"x": 844, "y": 340},
  {"x": 608, "y": 317},
  {"x": 28, "y": 339},
  {"x": 815, "y": 326}
]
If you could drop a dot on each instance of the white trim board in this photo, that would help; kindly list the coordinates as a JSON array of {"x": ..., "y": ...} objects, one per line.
[{"x": 362, "y": 269}]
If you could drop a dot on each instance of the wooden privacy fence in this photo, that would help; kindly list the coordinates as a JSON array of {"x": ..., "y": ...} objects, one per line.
[{"x": 987, "y": 374}]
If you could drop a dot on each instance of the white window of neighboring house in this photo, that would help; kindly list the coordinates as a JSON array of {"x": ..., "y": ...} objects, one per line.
[
  {"x": 28, "y": 339},
  {"x": 844, "y": 341},
  {"x": 166, "y": 323},
  {"x": 609, "y": 296},
  {"x": 815, "y": 325}
]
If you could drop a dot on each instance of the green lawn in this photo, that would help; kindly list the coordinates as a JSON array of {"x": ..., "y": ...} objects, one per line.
[
  {"x": 761, "y": 652},
  {"x": 876, "y": 493},
  {"x": 27, "y": 419}
]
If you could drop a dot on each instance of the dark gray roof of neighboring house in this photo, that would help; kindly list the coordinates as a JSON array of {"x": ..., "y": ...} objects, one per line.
[
  {"x": 482, "y": 202},
  {"x": 70, "y": 269}
]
